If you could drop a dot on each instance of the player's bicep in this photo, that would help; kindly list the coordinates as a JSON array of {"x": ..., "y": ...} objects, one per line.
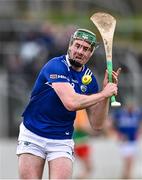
[{"x": 65, "y": 92}]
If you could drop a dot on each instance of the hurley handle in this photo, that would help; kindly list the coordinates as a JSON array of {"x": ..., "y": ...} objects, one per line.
[{"x": 114, "y": 103}]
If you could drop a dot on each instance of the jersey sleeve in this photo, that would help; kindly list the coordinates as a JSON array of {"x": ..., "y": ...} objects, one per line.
[
  {"x": 56, "y": 71},
  {"x": 95, "y": 85}
]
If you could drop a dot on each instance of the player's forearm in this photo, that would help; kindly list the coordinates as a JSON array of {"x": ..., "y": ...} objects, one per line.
[
  {"x": 85, "y": 101},
  {"x": 74, "y": 101},
  {"x": 98, "y": 114}
]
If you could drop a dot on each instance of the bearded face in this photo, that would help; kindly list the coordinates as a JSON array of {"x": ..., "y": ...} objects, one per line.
[{"x": 79, "y": 52}]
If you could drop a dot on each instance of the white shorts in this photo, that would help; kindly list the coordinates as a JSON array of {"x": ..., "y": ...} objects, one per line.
[
  {"x": 128, "y": 148},
  {"x": 49, "y": 149}
]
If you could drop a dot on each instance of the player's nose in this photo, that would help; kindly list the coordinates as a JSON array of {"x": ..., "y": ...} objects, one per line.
[{"x": 80, "y": 51}]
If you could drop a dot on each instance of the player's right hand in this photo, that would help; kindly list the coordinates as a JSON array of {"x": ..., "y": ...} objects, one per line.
[{"x": 110, "y": 89}]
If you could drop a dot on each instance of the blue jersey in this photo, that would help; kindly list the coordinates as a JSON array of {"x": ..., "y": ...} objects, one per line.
[
  {"x": 45, "y": 115},
  {"x": 127, "y": 123}
]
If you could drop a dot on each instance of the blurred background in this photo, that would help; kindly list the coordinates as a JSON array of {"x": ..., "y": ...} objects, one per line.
[{"x": 32, "y": 32}]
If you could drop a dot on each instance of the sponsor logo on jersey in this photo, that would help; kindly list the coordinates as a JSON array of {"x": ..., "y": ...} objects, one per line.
[
  {"x": 53, "y": 76},
  {"x": 62, "y": 77},
  {"x": 56, "y": 76}
]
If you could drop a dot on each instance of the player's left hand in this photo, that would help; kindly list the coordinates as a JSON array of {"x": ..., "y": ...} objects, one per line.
[{"x": 115, "y": 75}]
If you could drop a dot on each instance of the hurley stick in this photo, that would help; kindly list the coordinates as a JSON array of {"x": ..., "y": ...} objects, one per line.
[{"x": 106, "y": 26}]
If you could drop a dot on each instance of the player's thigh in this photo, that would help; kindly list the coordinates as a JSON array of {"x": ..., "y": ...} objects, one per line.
[
  {"x": 60, "y": 168},
  {"x": 30, "y": 166}
]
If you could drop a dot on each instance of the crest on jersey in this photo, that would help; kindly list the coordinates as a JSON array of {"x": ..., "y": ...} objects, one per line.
[{"x": 83, "y": 88}]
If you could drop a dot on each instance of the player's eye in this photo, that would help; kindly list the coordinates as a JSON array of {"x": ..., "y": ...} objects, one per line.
[
  {"x": 77, "y": 46},
  {"x": 85, "y": 48}
]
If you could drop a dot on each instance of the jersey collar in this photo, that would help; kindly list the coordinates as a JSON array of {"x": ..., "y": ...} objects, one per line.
[{"x": 67, "y": 59}]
